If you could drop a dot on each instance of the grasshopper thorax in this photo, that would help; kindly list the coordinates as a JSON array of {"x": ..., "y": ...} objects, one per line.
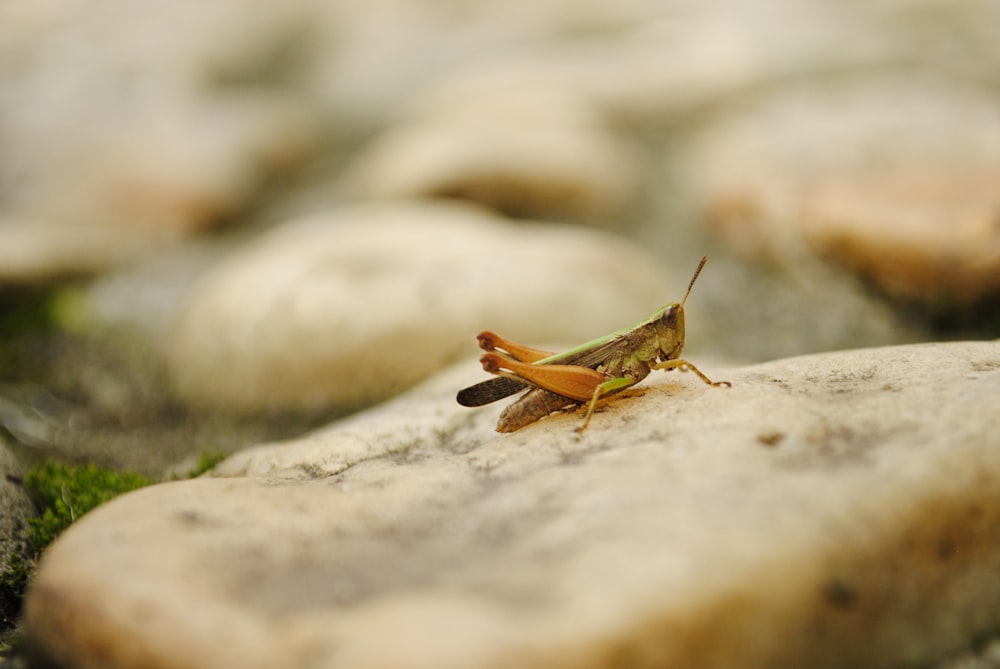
[{"x": 669, "y": 327}]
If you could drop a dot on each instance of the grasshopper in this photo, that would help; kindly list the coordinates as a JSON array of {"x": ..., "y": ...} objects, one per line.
[{"x": 600, "y": 367}]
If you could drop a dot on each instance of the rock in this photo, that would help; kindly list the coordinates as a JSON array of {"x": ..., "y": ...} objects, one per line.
[
  {"x": 347, "y": 308},
  {"x": 832, "y": 510},
  {"x": 678, "y": 64},
  {"x": 367, "y": 68},
  {"x": 15, "y": 508},
  {"x": 543, "y": 132},
  {"x": 905, "y": 200},
  {"x": 143, "y": 298},
  {"x": 536, "y": 154},
  {"x": 115, "y": 145}
]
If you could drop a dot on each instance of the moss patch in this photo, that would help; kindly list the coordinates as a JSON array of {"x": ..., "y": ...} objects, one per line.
[
  {"x": 206, "y": 461},
  {"x": 62, "y": 493}
]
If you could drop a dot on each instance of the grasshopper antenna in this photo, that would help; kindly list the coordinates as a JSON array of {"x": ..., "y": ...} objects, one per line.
[{"x": 704, "y": 259}]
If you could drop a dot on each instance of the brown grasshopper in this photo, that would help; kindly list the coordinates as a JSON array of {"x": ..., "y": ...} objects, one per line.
[{"x": 600, "y": 367}]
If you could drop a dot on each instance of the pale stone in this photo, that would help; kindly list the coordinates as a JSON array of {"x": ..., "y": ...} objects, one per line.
[
  {"x": 346, "y": 308},
  {"x": 661, "y": 64},
  {"x": 907, "y": 200},
  {"x": 676, "y": 64},
  {"x": 115, "y": 139},
  {"x": 532, "y": 153},
  {"x": 542, "y": 132},
  {"x": 827, "y": 511}
]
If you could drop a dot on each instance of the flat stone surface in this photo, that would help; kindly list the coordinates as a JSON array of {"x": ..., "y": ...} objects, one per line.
[
  {"x": 352, "y": 306},
  {"x": 831, "y": 510}
]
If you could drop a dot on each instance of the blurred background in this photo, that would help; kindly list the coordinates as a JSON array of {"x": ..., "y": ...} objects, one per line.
[{"x": 839, "y": 161}]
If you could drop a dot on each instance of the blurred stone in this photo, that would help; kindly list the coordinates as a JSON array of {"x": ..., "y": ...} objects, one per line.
[
  {"x": 654, "y": 65},
  {"x": 958, "y": 38},
  {"x": 922, "y": 235},
  {"x": 366, "y": 67},
  {"x": 540, "y": 132},
  {"x": 347, "y": 308},
  {"x": 533, "y": 154},
  {"x": 128, "y": 126},
  {"x": 895, "y": 178},
  {"x": 826, "y": 511}
]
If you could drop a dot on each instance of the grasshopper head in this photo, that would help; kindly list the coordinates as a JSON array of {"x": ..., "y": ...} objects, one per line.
[{"x": 669, "y": 323}]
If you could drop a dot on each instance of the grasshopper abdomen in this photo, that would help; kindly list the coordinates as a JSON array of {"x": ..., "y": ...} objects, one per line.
[{"x": 535, "y": 404}]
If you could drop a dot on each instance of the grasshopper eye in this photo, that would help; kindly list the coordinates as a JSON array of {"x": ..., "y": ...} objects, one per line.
[{"x": 667, "y": 313}]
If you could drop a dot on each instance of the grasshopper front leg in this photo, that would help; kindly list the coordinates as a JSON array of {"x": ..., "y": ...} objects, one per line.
[
  {"x": 613, "y": 385},
  {"x": 684, "y": 366}
]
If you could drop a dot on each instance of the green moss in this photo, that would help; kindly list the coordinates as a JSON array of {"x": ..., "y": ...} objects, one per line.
[
  {"x": 206, "y": 461},
  {"x": 63, "y": 493}
]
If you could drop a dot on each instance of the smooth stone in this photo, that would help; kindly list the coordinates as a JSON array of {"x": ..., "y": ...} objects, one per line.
[
  {"x": 548, "y": 132},
  {"x": 831, "y": 510},
  {"x": 528, "y": 153},
  {"x": 685, "y": 63},
  {"x": 904, "y": 201},
  {"x": 346, "y": 308},
  {"x": 38, "y": 250},
  {"x": 124, "y": 132},
  {"x": 366, "y": 68},
  {"x": 155, "y": 183}
]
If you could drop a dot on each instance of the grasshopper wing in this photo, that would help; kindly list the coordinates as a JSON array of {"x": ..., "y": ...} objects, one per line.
[
  {"x": 589, "y": 355},
  {"x": 489, "y": 391}
]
